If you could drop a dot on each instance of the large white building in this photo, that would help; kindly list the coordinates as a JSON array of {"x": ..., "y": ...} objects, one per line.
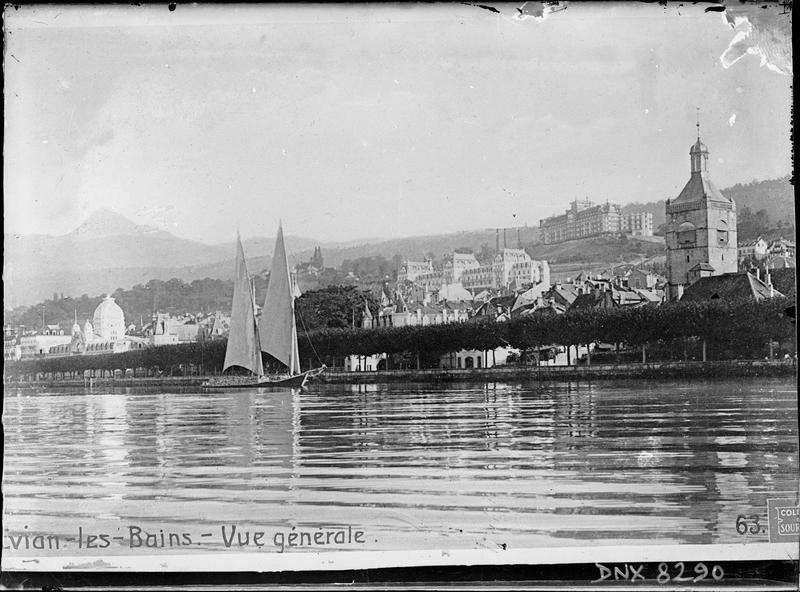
[
  {"x": 584, "y": 219},
  {"x": 511, "y": 267}
]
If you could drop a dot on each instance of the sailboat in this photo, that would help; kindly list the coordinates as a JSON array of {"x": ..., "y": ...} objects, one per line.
[{"x": 275, "y": 334}]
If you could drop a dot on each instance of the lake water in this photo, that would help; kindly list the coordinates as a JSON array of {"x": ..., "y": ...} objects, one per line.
[{"x": 466, "y": 466}]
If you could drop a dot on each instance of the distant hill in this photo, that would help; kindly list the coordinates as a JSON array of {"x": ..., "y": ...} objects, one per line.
[
  {"x": 776, "y": 196},
  {"x": 108, "y": 251}
]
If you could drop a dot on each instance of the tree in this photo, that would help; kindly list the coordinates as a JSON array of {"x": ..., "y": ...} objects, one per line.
[{"x": 334, "y": 307}]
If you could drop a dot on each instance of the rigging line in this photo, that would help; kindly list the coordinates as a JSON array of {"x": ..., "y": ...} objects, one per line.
[{"x": 299, "y": 316}]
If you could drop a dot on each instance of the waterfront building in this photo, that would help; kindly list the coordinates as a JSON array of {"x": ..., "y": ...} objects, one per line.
[
  {"x": 371, "y": 363},
  {"x": 701, "y": 228},
  {"x": 38, "y": 345},
  {"x": 473, "y": 358},
  {"x": 97, "y": 347},
  {"x": 108, "y": 320},
  {"x": 11, "y": 347}
]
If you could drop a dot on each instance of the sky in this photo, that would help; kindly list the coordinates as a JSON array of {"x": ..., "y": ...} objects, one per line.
[{"x": 355, "y": 121}]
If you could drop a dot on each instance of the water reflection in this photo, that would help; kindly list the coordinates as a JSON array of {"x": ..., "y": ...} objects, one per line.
[{"x": 413, "y": 465}]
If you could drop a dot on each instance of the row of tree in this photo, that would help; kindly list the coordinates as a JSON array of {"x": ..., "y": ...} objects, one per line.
[{"x": 731, "y": 329}]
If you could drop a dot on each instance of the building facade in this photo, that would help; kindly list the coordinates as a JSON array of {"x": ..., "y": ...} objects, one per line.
[
  {"x": 754, "y": 249},
  {"x": 637, "y": 223},
  {"x": 583, "y": 219},
  {"x": 701, "y": 228},
  {"x": 410, "y": 270}
]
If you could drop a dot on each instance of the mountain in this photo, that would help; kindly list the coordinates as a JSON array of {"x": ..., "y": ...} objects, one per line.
[
  {"x": 104, "y": 223},
  {"x": 108, "y": 251}
]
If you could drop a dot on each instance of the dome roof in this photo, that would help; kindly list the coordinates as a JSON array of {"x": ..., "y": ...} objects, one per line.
[
  {"x": 108, "y": 312},
  {"x": 698, "y": 147}
]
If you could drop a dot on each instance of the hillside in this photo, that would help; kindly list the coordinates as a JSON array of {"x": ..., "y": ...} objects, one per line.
[
  {"x": 599, "y": 249},
  {"x": 775, "y": 196},
  {"x": 108, "y": 251}
]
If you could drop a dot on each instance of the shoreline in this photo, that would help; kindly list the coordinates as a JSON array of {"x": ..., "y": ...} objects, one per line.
[{"x": 634, "y": 371}]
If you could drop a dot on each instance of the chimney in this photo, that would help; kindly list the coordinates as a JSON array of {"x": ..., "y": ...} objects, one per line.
[
  {"x": 504, "y": 239},
  {"x": 758, "y": 273},
  {"x": 497, "y": 240}
]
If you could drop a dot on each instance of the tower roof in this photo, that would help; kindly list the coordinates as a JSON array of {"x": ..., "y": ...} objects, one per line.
[
  {"x": 698, "y": 146},
  {"x": 699, "y": 188}
]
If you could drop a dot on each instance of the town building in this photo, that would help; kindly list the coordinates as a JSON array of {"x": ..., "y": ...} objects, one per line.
[
  {"x": 637, "y": 223},
  {"x": 731, "y": 286},
  {"x": 403, "y": 314},
  {"x": 410, "y": 270},
  {"x": 753, "y": 249},
  {"x": 11, "y": 347},
  {"x": 583, "y": 219},
  {"x": 701, "y": 228},
  {"x": 108, "y": 320},
  {"x": 782, "y": 248},
  {"x": 457, "y": 264}
]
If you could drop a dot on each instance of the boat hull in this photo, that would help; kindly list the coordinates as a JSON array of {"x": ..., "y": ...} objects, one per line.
[{"x": 296, "y": 381}]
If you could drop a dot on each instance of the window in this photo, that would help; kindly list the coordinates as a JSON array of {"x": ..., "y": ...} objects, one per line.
[{"x": 722, "y": 237}]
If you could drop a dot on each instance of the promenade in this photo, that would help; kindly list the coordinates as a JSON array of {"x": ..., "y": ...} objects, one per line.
[{"x": 637, "y": 371}]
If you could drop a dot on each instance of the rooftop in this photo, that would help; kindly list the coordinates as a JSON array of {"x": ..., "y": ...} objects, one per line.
[{"x": 728, "y": 286}]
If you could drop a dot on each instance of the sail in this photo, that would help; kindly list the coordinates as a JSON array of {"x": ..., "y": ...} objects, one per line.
[
  {"x": 243, "y": 347},
  {"x": 277, "y": 330}
]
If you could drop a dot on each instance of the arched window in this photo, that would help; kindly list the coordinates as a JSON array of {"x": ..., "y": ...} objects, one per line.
[{"x": 722, "y": 233}]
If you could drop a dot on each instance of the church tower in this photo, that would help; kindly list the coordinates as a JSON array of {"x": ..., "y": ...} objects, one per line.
[{"x": 701, "y": 228}]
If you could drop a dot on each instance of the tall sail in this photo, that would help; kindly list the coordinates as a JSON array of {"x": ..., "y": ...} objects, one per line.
[
  {"x": 277, "y": 330},
  {"x": 243, "y": 347}
]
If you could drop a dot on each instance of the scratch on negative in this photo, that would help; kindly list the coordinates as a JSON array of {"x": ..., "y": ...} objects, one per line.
[{"x": 491, "y": 8}]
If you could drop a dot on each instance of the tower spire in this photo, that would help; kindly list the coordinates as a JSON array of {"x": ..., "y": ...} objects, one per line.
[{"x": 698, "y": 123}]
